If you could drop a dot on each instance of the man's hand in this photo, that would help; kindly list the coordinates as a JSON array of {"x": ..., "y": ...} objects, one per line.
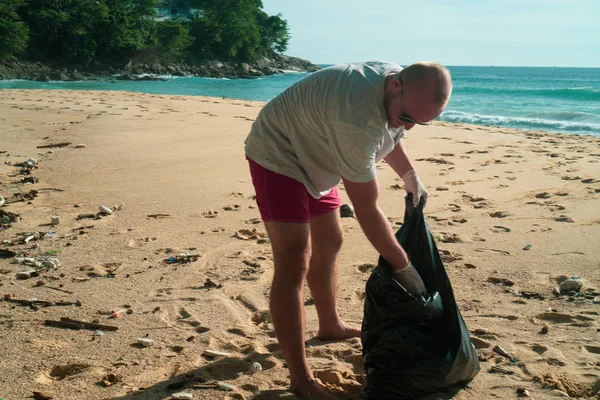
[
  {"x": 412, "y": 184},
  {"x": 410, "y": 279}
]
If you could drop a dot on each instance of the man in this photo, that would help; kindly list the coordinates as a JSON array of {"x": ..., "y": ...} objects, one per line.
[{"x": 333, "y": 125}]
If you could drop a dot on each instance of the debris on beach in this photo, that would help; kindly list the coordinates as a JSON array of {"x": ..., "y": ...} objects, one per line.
[
  {"x": 158, "y": 216},
  {"x": 54, "y": 145},
  {"x": 6, "y": 218},
  {"x": 215, "y": 353},
  {"x": 145, "y": 342},
  {"x": 346, "y": 211},
  {"x": 182, "y": 396},
  {"x": 111, "y": 379},
  {"x": 35, "y": 303},
  {"x": 76, "y": 324},
  {"x": 183, "y": 258}
]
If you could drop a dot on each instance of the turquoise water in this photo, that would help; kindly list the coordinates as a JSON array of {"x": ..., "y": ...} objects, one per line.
[{"x": 552, "y": 99}]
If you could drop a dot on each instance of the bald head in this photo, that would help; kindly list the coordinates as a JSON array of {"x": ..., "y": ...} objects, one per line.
[{"x": 428, "y": 77}]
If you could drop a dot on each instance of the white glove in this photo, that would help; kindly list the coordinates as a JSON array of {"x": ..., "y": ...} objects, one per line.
[
  {"x": 410, "y": 279},
  {"x": 412, "y": 184}
]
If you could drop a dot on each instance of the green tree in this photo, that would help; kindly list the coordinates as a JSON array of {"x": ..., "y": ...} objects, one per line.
[
  {"x": 274, "y": 32},
  {"x": 47, "y": 21},
  {"x": 130, "y": 27},
  {"x": 227, "y": 29},
  {"x": 14, "y": 34},
  {"x": 173, "y": 39}
]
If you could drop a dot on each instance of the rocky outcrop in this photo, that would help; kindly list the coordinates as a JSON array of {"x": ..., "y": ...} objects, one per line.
[{"x": 18, "y": 69}]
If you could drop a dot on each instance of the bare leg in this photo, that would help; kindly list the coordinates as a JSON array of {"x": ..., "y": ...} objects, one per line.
[
  {"x": 326, "y": 236},
  {"x": 291, "y": 253}
]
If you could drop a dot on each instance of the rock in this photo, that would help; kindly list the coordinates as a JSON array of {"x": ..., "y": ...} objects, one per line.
[
  {"x": 77, "y": 76},
  {"x": 80, "y": 146},
  {"x": 228, "y": 387},
  {"x": 146, "y": 342},
  {"x": 480, "y": 343},
  {"x": 255, "y": 367},
  {"x": 27, "y": 274},
  {"x": 522, "y": 392},
  {"x": 182, "y": 395},
  {"x": 574, "y": 283},
  {"x": 111, "y": 379},
  {"x": 346, "y": 211},
  {"x": 125, "y": 77},
  {"x": 54, "y": 219}
]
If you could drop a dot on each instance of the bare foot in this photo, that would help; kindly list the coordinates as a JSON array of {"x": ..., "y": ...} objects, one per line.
[
  {"x": 340, "y": 331},
  {"x": 312, "y": 391}
]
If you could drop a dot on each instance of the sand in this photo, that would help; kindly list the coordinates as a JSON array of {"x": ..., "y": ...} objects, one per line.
[{"x": 173, "y": 170}]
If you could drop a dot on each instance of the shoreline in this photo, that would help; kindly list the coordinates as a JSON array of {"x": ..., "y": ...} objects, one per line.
[
  {"x": 174, "y": 166},
  {"x": 436, "y": 122},
  {"x": 45, "y": 72}
]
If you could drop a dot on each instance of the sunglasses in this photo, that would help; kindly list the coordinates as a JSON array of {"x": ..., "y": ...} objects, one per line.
[
  {"x": 405, "y": 118},
  {"x": 412, "y": 121}
]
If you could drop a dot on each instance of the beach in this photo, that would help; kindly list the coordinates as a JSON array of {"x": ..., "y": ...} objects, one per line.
[{"x": 179, "y": 256}]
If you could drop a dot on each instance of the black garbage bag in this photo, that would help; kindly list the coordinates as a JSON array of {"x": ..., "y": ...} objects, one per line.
[{"x": 412, "y": 346}]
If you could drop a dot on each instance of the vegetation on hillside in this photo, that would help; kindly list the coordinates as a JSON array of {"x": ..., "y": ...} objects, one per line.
[{"x": 83, "y": 31}]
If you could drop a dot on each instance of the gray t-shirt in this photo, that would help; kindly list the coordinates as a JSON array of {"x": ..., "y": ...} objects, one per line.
[{"x": 330, "y": 124}]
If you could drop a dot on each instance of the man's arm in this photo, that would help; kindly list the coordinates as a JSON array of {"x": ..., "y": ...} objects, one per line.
[
  {"x": 374, "y": 223},
  {"x": 400, "y": 162}
]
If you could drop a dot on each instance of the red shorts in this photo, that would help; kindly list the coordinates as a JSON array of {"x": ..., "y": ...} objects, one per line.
[{"x": 283, "y": 199}]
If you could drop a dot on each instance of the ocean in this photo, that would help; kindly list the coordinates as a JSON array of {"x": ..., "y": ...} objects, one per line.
[{"x": 565, "y": 100}]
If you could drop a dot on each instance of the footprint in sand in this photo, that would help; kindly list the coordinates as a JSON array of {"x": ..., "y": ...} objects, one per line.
[
  {"x": 477, "y": 151},
  {"x": 210, "y": 214},
  {"x": 447, "y": 237},
  {"x": 472, "y": 199},
  {"x": 456, "y": 221},
  {"x": 539, "y": 349},
  {"x": 564, "y": 218},
  {"x": 590, "y": 180},
  {"x": 436, "y": 160},
  {"x": 500, "y": 214},
  {"x": 503, "y": 252},
  {"x": 560, "y": 318},
  {"x": 555, "y": 207},
  {"x": 447, "y": 256},
  {"x": 540, "y": 228},
  {"x": 454, "y": 207},
  {"x": 500, "y": 229},
  {"x": 570, "y": 178},
  {"x": 233, "y": 207},
  {"x": 134, "y": 243}
]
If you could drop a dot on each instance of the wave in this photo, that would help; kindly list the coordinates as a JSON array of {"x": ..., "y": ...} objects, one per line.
[
  {"x": 550, "y": 125},
  {"x": 291, "y": 71},
  {"x": 581, "y": 93}
]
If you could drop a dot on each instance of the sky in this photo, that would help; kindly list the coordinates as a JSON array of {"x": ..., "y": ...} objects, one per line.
[{"x": 561, "y": 33}]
